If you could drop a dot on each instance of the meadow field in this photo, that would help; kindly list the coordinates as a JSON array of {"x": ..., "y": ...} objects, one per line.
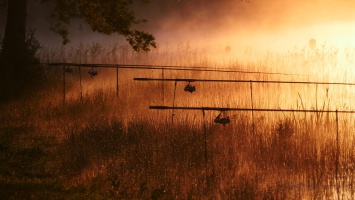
[{"x": 100, "y": 144}]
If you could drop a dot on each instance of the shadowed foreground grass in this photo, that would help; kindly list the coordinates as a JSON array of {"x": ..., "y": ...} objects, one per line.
[{"x": 67, "y": 151}]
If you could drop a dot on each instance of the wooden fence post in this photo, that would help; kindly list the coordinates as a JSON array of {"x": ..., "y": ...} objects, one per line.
[
  {"x": 163, "y": 85},
  {"x": 252, "y": 105},
  {"x": 81, "y": 87},
  {"x": 205, "y": 138},
  {"x": 172, "y": 117},
  {"x": 117, "y": 85},
  {"x": 63, "y": 83},
  {"x": 337, "y": 155}
]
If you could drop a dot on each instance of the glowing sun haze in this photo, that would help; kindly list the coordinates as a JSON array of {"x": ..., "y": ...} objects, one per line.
[{"x": 265, "y": 24}]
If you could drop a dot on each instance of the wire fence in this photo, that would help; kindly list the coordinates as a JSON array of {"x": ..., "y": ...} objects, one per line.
[
  {"x": 67, "y": 68},
  {"x": 166, "y": 67},
  {"x": 252, "y": 109},
  {"x": 243, "y": 81},
  {"x": 249, "y": 109}
]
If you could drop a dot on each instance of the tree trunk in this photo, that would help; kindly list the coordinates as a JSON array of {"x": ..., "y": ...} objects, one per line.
[
  {"x": 13, "y": 66},
  {"x": 14, "y": 47}
]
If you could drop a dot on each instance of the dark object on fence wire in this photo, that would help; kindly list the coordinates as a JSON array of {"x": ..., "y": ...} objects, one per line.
[
  {"x": 190, "y": 88},
  {"x": 222, "y": 120},
  {"x": 93, "y": 72},
  {"x": 69, "y": 69}
]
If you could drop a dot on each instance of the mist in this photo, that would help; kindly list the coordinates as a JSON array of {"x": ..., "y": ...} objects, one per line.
[
  {"x": 271, "y": 25},
  {"x": 260, "y": 24}
]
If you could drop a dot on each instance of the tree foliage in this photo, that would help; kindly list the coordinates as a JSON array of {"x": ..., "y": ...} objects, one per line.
[{"x": 106, "y": 17}]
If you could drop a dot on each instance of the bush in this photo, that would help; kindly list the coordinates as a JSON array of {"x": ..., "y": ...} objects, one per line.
[{"x": 32, "y": 47}]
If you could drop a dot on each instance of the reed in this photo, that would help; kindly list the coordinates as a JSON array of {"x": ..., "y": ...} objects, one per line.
[{"x": 98, "y": 144}]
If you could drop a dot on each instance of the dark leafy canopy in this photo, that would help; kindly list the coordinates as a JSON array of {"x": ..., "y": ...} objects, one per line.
[
  {"x": 103, "y": 16},
  {"x": 3, "y": 3}
]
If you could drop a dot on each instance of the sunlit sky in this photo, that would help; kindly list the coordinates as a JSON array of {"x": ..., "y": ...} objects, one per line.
[{"x": 265, "y": 24}]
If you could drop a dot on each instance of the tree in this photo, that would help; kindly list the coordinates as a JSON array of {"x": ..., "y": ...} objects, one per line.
[{"x": 106, "y": 17}]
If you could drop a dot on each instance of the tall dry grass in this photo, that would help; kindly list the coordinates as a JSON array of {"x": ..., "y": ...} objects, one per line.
[{"x": 106, "y": 145}]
